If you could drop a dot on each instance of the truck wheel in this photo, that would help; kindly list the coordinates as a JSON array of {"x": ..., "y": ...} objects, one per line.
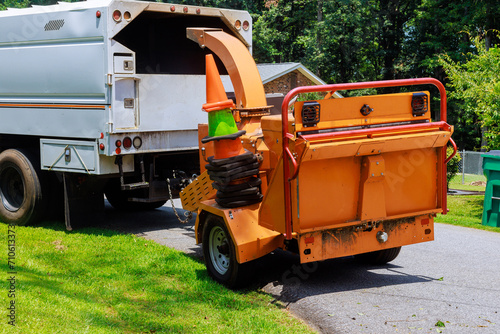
[
  {"x": 21, "y": 197},
  {"x": 220, "y": 256},
  {"x": 379, "y": 257}
]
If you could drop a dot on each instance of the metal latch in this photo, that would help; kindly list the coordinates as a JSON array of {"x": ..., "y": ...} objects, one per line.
[
  {"x": 67, "y": 154},
  {"x": 128, "y": 65},
  {"x": 128, "y": 103}
]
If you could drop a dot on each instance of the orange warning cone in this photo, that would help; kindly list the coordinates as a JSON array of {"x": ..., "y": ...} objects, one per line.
[
  {"x": 216, "y": 95},
  {"x": 221, "y": 125}
]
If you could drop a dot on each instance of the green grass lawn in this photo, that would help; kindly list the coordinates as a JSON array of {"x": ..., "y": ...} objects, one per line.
[
  {"x": 465, "y": 211},
  {"x": 99, "y": 281},
  {"x": 456, "y": 182}
]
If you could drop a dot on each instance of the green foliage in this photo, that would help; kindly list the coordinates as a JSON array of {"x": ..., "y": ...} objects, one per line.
[
  {"x": 14, "y": 4},
  {"x": 4, "y": 4},
  {"x": 453, "y": 165},
  {"x": 476, "y": 85}
]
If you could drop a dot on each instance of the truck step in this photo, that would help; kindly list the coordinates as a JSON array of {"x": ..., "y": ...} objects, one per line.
[{"x": 133, "y": 186}]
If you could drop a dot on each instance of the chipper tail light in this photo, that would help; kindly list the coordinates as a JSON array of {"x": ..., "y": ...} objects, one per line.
[
  {"x": 310, "y": 114},
  {"x": 419, "y": 104}
]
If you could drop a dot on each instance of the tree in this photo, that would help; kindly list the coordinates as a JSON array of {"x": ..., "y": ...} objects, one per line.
[{"x": 477, "y": 85}]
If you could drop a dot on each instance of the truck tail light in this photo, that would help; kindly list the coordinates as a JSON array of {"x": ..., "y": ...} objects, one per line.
[
  {"x": 127, "y": 143},
  {"x": 419, "y": 104},
  {"x": 118, "y": 143},
  {"x": 237, "y": 24},
  {"x": 246, "y": 25},
  {"x": 117, "y": 15},
  {"x": 137, "y": 142}
]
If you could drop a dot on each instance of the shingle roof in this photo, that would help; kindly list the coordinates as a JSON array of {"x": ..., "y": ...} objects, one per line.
[{"x": 270, "y": 72}]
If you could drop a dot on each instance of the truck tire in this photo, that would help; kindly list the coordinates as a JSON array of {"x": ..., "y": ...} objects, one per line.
[
  {"x": 379, "y": 257},
  {"x": 22, "y": 201},
  {"x": 220, "y": 256}
]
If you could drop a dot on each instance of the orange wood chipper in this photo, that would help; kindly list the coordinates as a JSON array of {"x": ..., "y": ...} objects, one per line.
[{"x": 328, "y": 178}]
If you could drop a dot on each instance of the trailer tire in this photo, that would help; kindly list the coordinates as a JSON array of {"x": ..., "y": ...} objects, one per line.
[
  {"x": 220, "y": 256},
  {"x": 22, "y": 200},
  {"x": 379, "y": 257}
]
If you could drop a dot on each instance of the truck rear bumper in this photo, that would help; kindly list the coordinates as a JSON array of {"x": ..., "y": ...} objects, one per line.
[{"x": 358, "y": 239}]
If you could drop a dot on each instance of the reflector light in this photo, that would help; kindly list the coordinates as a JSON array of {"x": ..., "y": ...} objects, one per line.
[
  {"x": 127, "y": 16},
  {"x": 419, "y": 104},
  {"x": 310, "y": 114},
  {"x": 137, "y": 142},
  {"x": 117, "y": 15},
  {"x": 98, "y": 14},
  {"x": 118, "y": 143},
  {"x": 101, "y": 147},
  {"x": 246, "y": 25},
  {"x": 185, "y": 9},
  {"x": 198, "y": 11},
  {"x": 172, "y": 8},
  {"x": 102, "y": 135},
  {"x": 309, "y": 240},
  {"x": 127, "y": 142},
  {"x": 237, "y": 24},
  {"x": 118, "y": 150}
]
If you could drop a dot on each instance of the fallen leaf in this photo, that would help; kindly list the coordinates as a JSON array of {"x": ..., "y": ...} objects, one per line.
[
  {"x": 440, "y": 324},
  {"x": 440, "y": 279}
]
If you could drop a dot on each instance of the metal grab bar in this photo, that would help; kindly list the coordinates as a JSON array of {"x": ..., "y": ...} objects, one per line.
[
  {"x": 288, "y": 156},
  {"x": 454, "y": 151}
]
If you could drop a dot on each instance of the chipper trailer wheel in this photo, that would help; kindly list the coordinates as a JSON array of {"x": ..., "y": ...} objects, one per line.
[
  {"x": 379, "y": 257},
  {"x": 21, "y": 197},
  {"x": 220, "y": 256}
]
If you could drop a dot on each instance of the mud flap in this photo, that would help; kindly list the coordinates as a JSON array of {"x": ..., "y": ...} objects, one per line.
[{"x": 83, "y": 204}]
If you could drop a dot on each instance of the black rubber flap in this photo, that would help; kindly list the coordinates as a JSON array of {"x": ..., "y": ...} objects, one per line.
[
  {"x": 243, "y": 192},
  {"x": 239, "y": 201},
  {"x": 252, "y": 182},
  {"x": 233, "y": 177},
  {"x": 221, "y": 162},
  {"x": 238, "y": 170},
  {"x": 231, "y": 136},
  {"x": 232, "y": 165}
]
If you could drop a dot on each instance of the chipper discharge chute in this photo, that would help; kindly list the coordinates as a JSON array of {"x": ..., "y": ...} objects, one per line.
[{"x": 339, "y": 177}]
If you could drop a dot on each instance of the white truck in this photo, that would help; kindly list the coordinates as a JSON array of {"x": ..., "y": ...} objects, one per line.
[{"x": 102, "y": 97}]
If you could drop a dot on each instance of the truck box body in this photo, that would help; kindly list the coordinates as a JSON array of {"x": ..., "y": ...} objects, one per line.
[{"x": 72, "y": 72}]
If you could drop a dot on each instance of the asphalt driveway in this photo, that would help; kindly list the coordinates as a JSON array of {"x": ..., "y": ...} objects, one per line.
[{"x": 453, "y": 281}]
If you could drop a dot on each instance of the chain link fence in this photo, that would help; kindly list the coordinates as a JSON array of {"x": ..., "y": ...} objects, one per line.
[{"x": 471, "y": 163}]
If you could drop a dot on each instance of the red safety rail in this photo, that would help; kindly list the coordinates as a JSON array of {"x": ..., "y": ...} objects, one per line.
[{"x": 365, "y": 132}]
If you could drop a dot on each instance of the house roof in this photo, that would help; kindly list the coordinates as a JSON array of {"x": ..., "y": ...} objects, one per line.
[{"x": 270, "y": 72}]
